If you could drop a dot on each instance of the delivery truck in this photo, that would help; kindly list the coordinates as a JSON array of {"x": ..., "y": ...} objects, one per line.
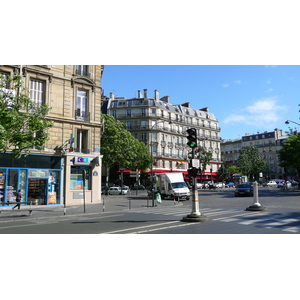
[{"x": 171, "y": 186}]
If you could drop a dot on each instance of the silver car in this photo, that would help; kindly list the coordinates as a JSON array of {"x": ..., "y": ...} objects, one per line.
[{"x": 116, "y": 190}]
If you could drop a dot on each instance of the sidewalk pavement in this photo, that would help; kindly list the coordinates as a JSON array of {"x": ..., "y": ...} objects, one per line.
[{"x": 110, "y": 203}]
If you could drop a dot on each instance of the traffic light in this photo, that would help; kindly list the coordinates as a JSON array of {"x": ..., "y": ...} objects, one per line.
[{"x": 192, "y": 137}]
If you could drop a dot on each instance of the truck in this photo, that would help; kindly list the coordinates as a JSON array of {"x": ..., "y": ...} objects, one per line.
[{"x": 171, "y": 186}]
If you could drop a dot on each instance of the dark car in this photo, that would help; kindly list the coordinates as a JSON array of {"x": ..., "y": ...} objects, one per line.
[
  {"x": 244, "y": 189},
  {"x": 139, "y": 187}
]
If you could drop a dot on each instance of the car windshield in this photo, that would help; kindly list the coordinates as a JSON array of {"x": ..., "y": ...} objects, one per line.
[{"x": 176, "y": 185}]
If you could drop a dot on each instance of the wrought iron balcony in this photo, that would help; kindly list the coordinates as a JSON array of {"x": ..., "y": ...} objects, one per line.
[{"x": 82, "y": 115}]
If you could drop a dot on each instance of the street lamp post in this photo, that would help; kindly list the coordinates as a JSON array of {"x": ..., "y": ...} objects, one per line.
[
  {"x": 151, "y": 140},
  {"x": 288, "y": 122}
]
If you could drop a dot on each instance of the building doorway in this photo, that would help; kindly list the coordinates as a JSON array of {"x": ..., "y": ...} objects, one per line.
[{"x": 37, "y": 191}]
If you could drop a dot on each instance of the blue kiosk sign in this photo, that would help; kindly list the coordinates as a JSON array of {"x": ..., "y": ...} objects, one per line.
[{"x": 83, "y": 161}]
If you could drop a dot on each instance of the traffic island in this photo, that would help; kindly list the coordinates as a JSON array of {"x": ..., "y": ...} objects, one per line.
[
  {"x": 255, "y": 208},
  {"x": 194, "y": 218}
]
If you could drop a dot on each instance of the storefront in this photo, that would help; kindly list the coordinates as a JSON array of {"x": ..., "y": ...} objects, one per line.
[
  {"x": 82, "y": 178},
  {"x": 38, "y": 177}
]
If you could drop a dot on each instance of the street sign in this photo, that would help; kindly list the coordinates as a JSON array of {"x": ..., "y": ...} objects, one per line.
[
  {"x": 195, "y": 163},
  {"x": 134, "y": 174}
]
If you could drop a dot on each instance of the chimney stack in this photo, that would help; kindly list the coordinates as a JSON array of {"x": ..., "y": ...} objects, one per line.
[{"x": 145, "y": 93}]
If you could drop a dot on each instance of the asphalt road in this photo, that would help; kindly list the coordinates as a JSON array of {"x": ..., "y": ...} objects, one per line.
[{"x": 226, "y": 215}]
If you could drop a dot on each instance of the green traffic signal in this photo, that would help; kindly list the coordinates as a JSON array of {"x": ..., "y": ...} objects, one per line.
[{"x": 192, "y": 137}]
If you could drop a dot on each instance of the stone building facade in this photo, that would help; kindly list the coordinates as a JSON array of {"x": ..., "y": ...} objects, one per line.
[
  {"x": 162, "y": 126},
  {"x": 268, "y": 144},
  {"x": 74, "y": 94}
]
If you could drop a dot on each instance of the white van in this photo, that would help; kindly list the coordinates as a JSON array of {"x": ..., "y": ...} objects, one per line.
[{"x": 172, "y": 186}]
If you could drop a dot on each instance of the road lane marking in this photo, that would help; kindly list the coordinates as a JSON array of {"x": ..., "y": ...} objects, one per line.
[
  {"x": 54, "y": 220},
  {"x": 162, "y": 228},
  {"x": 140, "y": 227}
]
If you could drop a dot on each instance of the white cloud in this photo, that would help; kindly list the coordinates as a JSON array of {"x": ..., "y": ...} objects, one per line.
[
  {"x": 225, "y": 85},
  {"x": 269, "y": 90},
  {"x": 238, "y": 82},
  {"x": 262, "y": 113}
]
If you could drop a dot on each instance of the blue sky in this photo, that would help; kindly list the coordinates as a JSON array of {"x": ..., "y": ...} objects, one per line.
[{"x": 244, "y": 98}]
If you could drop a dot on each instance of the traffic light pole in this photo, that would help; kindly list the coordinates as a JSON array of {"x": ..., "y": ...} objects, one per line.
[{"x": 195, "y": 215}]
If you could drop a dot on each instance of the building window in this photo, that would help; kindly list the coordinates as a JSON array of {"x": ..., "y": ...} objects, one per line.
[
  {"x": 83, "y": 70},
  {"x": 128, "y": 112},
  {"x": 143, "y": 112},
  {"x": 82, "y": 106},
  {"x": 128, "y": 124},
  {"x": 143, "y": 124},
  {"x": 144, "y": 137},
  {"x": 37, "y": 92},
  {"x": 82, "y": 141},
  {"x": 154, "y": 136},
  {"x": 76, "y": 180}
]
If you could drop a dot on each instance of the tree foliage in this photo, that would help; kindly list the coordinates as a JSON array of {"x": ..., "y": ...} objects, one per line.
[
  {"x": 223, "y": 172},
  {"x": 120, "y": 148},
  {"x": 250, "y": 163},
  {"x": 289, "y": 154},
  {"x": 23, "y": 125},
  {"x": 204, "y": 157}
]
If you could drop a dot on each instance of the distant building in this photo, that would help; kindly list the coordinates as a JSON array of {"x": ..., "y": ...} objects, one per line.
[
  {"x": 162, "y": 127},
  {"x": 268, "y": 144},
  {"x": 53, "y": 174}
]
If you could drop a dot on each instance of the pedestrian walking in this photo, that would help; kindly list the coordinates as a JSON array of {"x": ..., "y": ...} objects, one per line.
[{"x": 18, "y": 199}]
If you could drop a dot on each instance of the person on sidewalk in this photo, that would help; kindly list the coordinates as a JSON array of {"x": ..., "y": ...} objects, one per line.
[{"x": 18, "y": 199}]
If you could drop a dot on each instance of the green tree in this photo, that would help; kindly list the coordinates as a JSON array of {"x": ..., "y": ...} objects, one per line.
[
  {"x": 250, "y": 163},
  {"x": 233, "y": 170},
  {"x": 23, "y": 125},
  {"x": 223, "y": 172},
  {"x": 204, "y": 157},
  {"x": 120, "y": 148},
  {"x": 289, "y": 154}
]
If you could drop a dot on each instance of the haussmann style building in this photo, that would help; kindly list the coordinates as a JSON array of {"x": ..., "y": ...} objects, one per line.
[
  {"x": 54, "y": 174},
  {"x": 162, "y": 126}
]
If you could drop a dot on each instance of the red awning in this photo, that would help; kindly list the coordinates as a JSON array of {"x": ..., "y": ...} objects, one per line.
[{"x": 165, "y": 171}]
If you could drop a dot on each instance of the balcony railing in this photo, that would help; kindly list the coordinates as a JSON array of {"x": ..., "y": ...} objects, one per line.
[
  {"x": 81, "y": 150},
  {"x": 154, "y": 117},
  {"x": 82, "y": 115}
]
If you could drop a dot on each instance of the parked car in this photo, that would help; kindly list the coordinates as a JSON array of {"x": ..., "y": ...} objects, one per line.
[
  {"x": 294, "y": 183},
  {"x": 220, "y": 185},
  {"x": 282, "y": 184},
  {"x": 139, "y": 187},
  {"x": 199, "y": 186},
  {"x": 116, "y": 190},
  {"x": 230, "y": 185},
  {"x": 244, "y": 189},
  {"x": 271, "y": 183}
]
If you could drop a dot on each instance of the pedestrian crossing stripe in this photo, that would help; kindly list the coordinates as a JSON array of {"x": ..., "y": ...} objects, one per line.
[{"x": 264, "y": 219}]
